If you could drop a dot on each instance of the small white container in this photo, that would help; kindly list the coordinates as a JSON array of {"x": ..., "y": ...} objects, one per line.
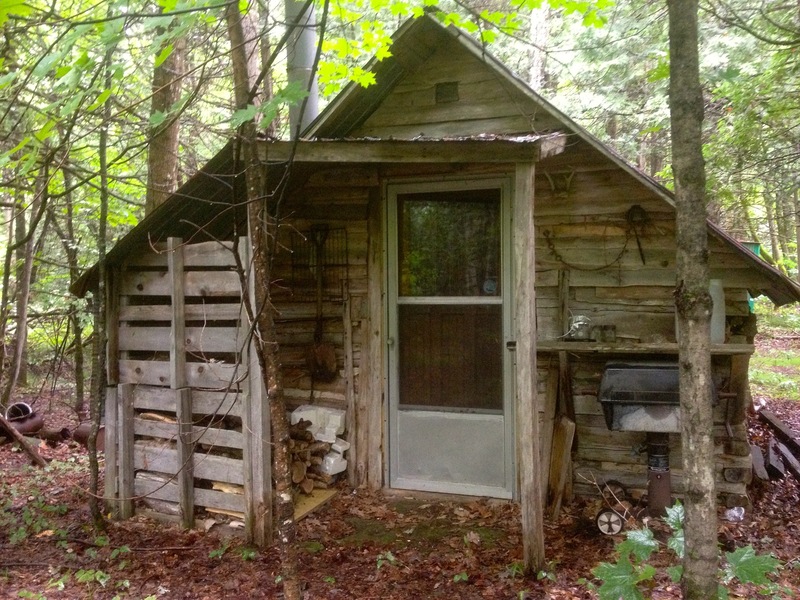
[{"x": 718, "y": 312}]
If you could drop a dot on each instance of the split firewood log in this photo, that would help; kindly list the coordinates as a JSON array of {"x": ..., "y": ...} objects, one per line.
[
  {"x": 298, "y": 471},
  {"x": 307, "y": 486}
]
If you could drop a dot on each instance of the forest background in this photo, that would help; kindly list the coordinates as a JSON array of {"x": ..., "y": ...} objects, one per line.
[
  {"x": 107, "y": 107},
  {"x": 86, "y": 88}
]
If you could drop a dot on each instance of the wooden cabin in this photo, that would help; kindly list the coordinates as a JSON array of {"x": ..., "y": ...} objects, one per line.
[{"x": 474, "y": 257}]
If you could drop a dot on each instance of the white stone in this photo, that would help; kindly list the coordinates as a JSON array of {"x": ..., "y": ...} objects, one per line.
[
  {"x": 341, "y": 446},
  {"x": 333, "y": 463}
]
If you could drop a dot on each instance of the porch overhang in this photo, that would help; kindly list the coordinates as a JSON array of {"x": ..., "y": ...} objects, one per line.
[{"x": 474, "y": 149}]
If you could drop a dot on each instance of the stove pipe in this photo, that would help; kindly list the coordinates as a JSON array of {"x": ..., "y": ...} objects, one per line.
[
  {"x": 659, "y": 495},
  {"x": 301, "y": 50}
]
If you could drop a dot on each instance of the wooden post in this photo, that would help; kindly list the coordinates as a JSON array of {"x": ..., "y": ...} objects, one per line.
[
  {"x": 740, "y": 385},
  {"x": 112, "y": 326},
  {"x": 256, "y": 454},
  {"x": 371, "y": 437},
  {"x": 527, "y": 413},
  {"x": 563, "y": 300},
  {"x": 125, "y": 428},
  {"x": 185, "y": 445},
  {"x": 178, "y": 381},
  {"x": 349, "y": 374},
  {"x": 110, "y": 451},
  {"x": 177, "y": 341}
]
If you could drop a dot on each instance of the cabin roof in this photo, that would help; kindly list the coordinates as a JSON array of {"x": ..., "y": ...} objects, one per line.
[{"x": 205, "y": 207}]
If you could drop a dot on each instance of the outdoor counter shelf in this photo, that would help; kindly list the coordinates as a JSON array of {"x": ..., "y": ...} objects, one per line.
[{"x": 634, "y": 348}]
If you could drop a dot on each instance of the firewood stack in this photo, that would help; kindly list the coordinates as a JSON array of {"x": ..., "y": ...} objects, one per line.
[{"x": 308, "y": 455}]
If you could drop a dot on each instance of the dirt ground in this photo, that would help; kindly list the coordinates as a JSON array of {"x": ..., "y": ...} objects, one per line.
[{"x": 359, "y": 545}]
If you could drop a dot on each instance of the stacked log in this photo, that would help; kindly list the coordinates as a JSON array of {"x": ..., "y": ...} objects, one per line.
[{"x": 307, "y": 456}]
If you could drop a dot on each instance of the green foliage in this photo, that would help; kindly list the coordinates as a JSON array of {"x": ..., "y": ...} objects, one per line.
[
  {"x": 219, "y": 552},
  {"x": 248, "y": 554},
  {"x": 386, "y": 558},
  {"x": 748, "y": 567},
  {"x": 462, "y": 577},
  {"x": 625, "y": 578},
  {"x": 90, "y": 576},
  {"x": 515, "y": 569},
  {"x": 772, "y": 370}
]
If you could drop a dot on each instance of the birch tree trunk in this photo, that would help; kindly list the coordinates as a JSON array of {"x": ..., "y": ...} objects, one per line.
[
  {"x": 693, "y": 303},
  {"x": 262, "y": 226}
]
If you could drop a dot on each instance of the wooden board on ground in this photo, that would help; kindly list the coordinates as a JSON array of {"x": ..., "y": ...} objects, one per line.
[
  {"x": 759, "y": 468},
  {"x": 789, "y": 459},
  {"x": 560, "y": 460},
  {"x": 781, "y": 429},
  {"x": 305, "y": 505}
]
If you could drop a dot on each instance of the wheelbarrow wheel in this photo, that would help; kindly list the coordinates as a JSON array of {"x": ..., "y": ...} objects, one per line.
[{"x": 609, "y": 522}]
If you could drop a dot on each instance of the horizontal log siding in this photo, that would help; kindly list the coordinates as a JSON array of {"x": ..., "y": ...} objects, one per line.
[
  {"x": 582, "y": 227},
  {"x": 337, "y": 198},
  {"x": 213, "y": 341}
]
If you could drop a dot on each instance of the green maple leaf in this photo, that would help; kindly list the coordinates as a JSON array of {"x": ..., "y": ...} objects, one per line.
[
  {"x": 640, "y": 543},
  {"x": 620, "y": 580},
  {"x": 749, "y": 567}
]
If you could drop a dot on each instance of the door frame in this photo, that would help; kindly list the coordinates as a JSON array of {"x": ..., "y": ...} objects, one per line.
[{"x": 391, "y": 189}]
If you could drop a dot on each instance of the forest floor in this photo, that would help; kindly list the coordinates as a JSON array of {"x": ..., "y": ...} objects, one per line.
[{"x": 360, "y": 545}]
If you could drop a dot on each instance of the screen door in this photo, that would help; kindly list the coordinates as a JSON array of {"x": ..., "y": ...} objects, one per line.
[{"x": 450, "y": 428}]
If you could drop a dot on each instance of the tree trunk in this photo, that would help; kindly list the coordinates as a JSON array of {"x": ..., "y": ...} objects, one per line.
[
  {"x": 66, "y": 234},
  {"x": 539, "y": 34},
  {"x": 24, "y": 243},
  {"x": 774, "y": 244},
  {"x": 693, "y": 304},
  {"x": 796, "y": 200},
  {"x": 262, "y": 226},
  {"x": 785, "y": 222},
  {"x": 19, "y": 368},
  {"x": 98, "y": 394},
  {"x": 162, "y": 158}
]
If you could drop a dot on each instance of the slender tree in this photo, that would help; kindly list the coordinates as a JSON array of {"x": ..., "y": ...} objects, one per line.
[
  {"x": 262, "y": 226},
  {"x": 693, "y": 303},
  {"x": 162, "y": 159}
]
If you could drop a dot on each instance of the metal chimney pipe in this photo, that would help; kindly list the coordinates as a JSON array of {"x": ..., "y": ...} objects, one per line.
[{"x": 301, "y": 50}]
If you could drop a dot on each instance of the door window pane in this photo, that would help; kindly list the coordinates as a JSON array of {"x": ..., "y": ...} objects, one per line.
[
  {"x": 451, "y": 356},
  {"x": 449, "y": 243}
]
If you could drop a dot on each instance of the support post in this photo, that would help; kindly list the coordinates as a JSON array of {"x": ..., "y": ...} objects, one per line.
[
  {"x": 371, "y": 392},
  {"x": 178, "y": 382},
  {"x": 185, "y": 444},
  {"x": 256, "y": 453},
  {"x": 125, "y": 427},
  {"x": 177, "y": 340},
  {"x": 527, "y": 413},
  {"x": 349, "y": 374},
  {"x": 111, "y": 493}
]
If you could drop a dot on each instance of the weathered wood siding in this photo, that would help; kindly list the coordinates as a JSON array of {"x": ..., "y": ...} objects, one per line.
[
  {"x": 622, "y": 273},
  {"x": 188, "y": 347},
  {"x": 477, "y": 101}
]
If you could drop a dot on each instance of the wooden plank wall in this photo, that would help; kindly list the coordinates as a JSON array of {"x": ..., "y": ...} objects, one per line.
[
  {"x": 337, "y": 198},
  {"x": 181, "y": 379},
  {"x": 480, "y": 102},
  {"x": 583, "y": 231}
]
